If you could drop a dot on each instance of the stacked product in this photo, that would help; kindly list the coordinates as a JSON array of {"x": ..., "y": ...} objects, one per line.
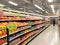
[{"x": 19, "y": 27}]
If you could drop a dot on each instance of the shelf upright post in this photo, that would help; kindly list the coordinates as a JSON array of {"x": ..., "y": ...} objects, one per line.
[{"x": 7, "y": 36}]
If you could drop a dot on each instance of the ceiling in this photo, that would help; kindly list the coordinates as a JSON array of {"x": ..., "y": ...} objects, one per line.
[
  {"x": 28, "y": 6},
  {"x": 56, "y": 4}
]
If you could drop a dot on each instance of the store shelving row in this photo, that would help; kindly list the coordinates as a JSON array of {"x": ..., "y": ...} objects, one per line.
[
  {"x": 15, "y": 26},
  {"x": 32, "y": 37},
  {"x": 23, "y": 34},
  {"x": 24, "y": 39},
  {"x": 29, "y": 39},
  {"x": 19, "y": 30},
  {"x": 19, "y": 35},
  {"x": 10, "y": 16},
  {"x": 16, "y": 20},
  {"x": 25, "y": 25},
  {"x": 14, "y": 32}
]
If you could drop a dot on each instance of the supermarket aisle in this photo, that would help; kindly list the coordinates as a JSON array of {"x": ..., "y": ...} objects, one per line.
[{"x": 49, "y": 37}]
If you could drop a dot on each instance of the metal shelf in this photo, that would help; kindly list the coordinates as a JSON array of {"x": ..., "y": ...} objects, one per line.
[
  {"x": 24, "y": 39},
  {"x": 24, "y": 33},
  {"x": 14, "y": 32},
  {"x": 21, "y": 35},
  {"x": 3, "y": 36},
  {"x": 16, "y": 20},
  {"x": 4, "y": 44},
  {"x": 23, "y": 29},
  {"x": 19, "y": 30},
  {"x": 40, "y": 31}
]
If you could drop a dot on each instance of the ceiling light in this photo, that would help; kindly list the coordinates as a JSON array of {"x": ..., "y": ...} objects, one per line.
[
  {"x": 50, "y": 0},
  {"x": 38, "y": 7},
  {"x": 15, "y": 4},
  {"x": 46, "y": 12},
  {"x": 52, "y": 6},
  {"x": 20, "y": 8}
]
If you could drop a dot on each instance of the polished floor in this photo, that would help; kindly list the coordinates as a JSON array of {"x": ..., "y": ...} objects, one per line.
[{"x": 49, "y": 37}]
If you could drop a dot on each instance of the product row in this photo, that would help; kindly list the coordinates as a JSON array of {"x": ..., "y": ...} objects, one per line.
[
  {"x": 21, "y": 39},
  {"x": 26, "y": 29},
  {"x": 17, "y": 24},
  {"x": 15, "y": 16}
]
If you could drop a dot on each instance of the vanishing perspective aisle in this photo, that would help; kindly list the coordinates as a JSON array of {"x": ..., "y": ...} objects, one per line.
[{"x": 49, "y": 37}]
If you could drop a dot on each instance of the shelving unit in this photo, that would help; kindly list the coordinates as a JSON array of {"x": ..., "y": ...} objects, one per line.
[
  {"x": 15, "y": 27},
  {"x": 33, "y": 37}
]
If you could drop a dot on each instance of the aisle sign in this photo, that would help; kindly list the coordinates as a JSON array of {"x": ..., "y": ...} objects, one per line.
[{"x": 53, "y": 15}]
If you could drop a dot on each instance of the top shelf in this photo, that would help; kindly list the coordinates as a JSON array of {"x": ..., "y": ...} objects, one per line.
[
  {"x": 17, "y": 20},
  {"x": 13, "y": 15}
]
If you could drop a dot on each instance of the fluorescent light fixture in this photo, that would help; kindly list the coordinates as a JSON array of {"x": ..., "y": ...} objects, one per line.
[
  {"x": 50, "y": 0},
  {"x": 38, "y": 7},
  {"x": 15, "y": 4},
  {"x": 46, "y": 12},
  {"x": 20, "y": 8},
  {"x": 52, "y": 6}
]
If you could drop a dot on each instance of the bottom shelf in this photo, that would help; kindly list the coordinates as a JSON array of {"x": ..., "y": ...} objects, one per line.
[
  {"x": 23, "y": 38},
  {"x": 32, "y": 37}
]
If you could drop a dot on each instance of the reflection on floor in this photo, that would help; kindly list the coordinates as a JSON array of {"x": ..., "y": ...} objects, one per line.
[{"x": 49, "y": 37}]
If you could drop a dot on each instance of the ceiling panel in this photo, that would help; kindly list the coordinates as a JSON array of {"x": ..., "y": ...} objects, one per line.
[{"x": 28, "y": 5}]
